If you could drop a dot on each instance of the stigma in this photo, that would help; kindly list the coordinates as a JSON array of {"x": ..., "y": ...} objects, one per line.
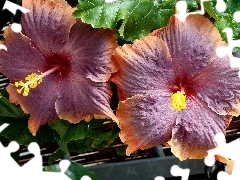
[
  {"x": 179, "y": 101},
  {"x": 32, "y": 81}
]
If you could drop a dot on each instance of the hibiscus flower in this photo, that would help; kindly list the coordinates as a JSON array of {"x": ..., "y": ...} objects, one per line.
[
  {"x": 58, "y": 66},
  {"x": 174, "y": 89}
]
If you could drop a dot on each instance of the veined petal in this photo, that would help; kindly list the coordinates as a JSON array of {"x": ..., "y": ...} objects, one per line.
[
  {"x": 146, "y": 121},
  {"x": 91, "y": 51},
  {"x": 192, "y": 44},
  {"x": 40, "y": 102},
  {"x": 144, "y": 67},
  {"x": 47, "y": 24},
  {"x": 82, "y": 99},
  {"x": 193, "y": 134},
  {"x": 219, "y": 86},
  {"x": 21, "y": 59}
]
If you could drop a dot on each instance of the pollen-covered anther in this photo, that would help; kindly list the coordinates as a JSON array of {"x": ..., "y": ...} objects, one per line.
[
  {"x": 32, "y": 81},
  {"x": 179, "y": 101}
]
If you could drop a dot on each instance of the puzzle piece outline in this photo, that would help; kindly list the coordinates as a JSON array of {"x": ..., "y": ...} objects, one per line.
[
  {"x": 13, "y": 8},
  {"x": 32, "y": 169},
  {"x": 177, "y": 171},
  {"x": 181, "y": 8},
  {"x": 227, "y": 150}
]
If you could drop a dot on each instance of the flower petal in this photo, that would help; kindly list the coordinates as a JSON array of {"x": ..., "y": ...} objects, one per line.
[
  {"x": 192, "y": 43},
  {"x": 91, "y": 51},
  {"x": 193, "y": 134},
  {"x": 219, "y": 86},
  {"x": 21, "y": 59},
  {"x": 144, "y": 67},
  {"x": 82, "y": 99},
  {"x": 40, "y": 103},
  {"x": 146, "y": 121},
  {"x": 47, "y": 24}
]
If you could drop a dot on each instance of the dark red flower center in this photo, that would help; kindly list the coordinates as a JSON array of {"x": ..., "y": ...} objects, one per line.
[
  {"x": 56, "y": 64},
  {"x": 182, "y": 86},
  {"x": 60, "y": 60}
]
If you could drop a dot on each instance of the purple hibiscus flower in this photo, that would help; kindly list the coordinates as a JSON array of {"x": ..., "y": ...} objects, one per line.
[
  {"x": 58, "y": 66},
  {"x": 174, "y": 89}
]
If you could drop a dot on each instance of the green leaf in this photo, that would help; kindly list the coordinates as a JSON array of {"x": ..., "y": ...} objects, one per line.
[
  {"x": 81, "y": 146},
  {"x": 77, "y": 171},
  {"x": 63, "y": 146},
  {"x": 8, "y": 109},
  {"x": 103, "y": 139},
  {"x": 232, "y": 6},
  {"x": 74, "y": 172},
  {"x": 223, "y": 23},
  {"x": 166, "y": 8},
  {"x": 170, "y": 4},
  {"x": 4, "y": 93},
  {"x": 138, "y": 17},
  {"x": 94, "y": 139},
  {"x": 165, "y": 16},
  {"x": 58, "y": 154},
  {"x": 68, "y": 131},
  {"x": 122, "y": 151},
  {"x": 18, "y": 131},
  {"x": 82, "y": 137},
  {"x": 45, "y": 135},
  {"x": 94, "y": 123},
  {"x": 209, "y": 7},
  {"x": 225, "y": 20}
]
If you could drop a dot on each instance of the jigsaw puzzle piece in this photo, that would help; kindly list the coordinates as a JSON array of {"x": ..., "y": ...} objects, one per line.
[
  {"x": 177, "y": 171},
  {"x": 3, "y": 126},
  {"x": 3, "y": 47},
  {"x": 85, "y": 177},
  {"x": 35, "y": 164},
  {"x": 9, "y": 10},
  {"x": 222, "y": 51},
  {"x": 236, "y": 16},
  {"x": 181, "y": 10},
  {"x": 5, "y": 154},
  {"x": 229, "y": 150},
  {"x": 7, "y": 164},
  {"x": 12, "y": 7},
  {"x": 159, "y": 178},
  {"x": 63, "y": 165},
  {"x": 221, "y": 6}
]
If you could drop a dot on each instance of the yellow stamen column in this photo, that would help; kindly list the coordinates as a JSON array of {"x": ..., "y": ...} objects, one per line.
[
  {"x": 179, "y": 101},
  {"x": 32, "y": 81}
]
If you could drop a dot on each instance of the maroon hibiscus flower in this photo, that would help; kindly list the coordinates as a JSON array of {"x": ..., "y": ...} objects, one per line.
[
  {"x": 175, "y": 90},
  {"x": 58, "y": 66}
]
